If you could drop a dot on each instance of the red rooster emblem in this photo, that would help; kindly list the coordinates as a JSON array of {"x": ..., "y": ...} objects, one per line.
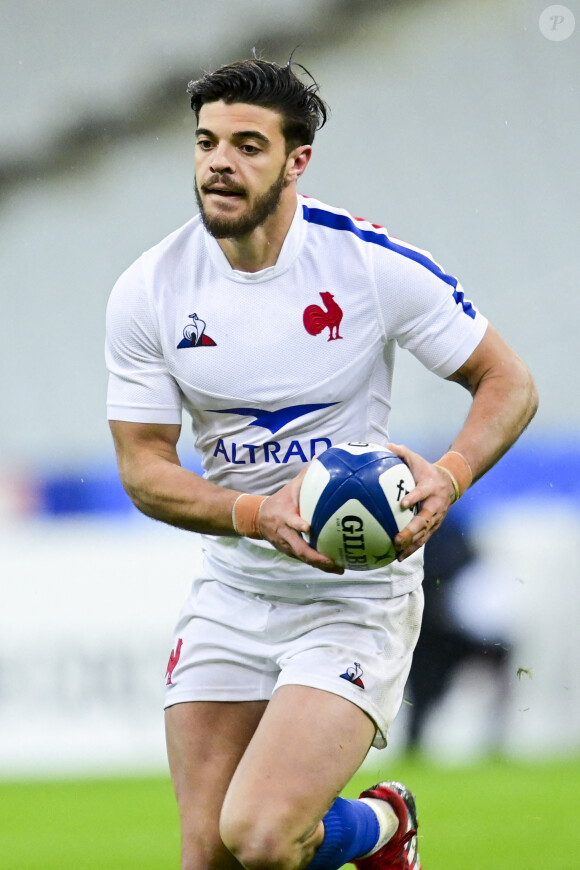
[
  {"x": 173, "y": 659},
  {"x": 316, "y": 318}
]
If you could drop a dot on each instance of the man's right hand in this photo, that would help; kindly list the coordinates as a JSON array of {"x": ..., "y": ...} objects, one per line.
[{"x": 281, "y": 524}]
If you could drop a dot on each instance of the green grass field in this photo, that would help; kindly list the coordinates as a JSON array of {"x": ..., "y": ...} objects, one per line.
[{"x": 496, "y": 815}]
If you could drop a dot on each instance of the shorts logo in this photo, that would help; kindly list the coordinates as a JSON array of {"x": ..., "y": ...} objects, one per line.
[
  {"x": 171, "y": 664},
  {"x": 194, "y": 334},
  {"x": 353, "y": 675},
  {"x": 316, "y": 318}
]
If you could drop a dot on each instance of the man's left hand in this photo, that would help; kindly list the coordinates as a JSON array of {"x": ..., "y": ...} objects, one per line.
[{"x": 433, "y": 490}]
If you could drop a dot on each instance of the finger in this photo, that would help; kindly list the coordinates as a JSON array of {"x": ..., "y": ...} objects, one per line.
[
  {"x": 412, "y": 542},
  {"x": 404, "y": 554},
  {"x": 404, "y": 539},
  {"x": 414, "y": 497},
  {"x": 298, "y": 524},
  {"x": 318, "y": 560},
  {"x": 415, "y": 543},
  {"x": 402, "y": 451},
  {"x": 330, "y": 569},
  {"x": 296, "y": 546},
  {"x": 414, "y": 462},
  {"x": 424, "y": 521}
]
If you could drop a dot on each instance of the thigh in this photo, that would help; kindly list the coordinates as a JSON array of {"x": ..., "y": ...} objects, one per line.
[
  {"x": 360, "y": 649},
  {"x": 308, "y": 745},
  {"x": 205, "y": 741}
]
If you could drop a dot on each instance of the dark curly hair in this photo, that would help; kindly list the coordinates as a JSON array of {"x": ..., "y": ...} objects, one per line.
[{"x": 267, "y": 84}]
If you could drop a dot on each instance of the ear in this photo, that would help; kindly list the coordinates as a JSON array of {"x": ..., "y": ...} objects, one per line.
[{"x": 296, "y": 162}]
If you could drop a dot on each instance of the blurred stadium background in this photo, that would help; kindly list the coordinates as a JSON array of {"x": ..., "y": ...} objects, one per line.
[{"x": 454, "y": 124}]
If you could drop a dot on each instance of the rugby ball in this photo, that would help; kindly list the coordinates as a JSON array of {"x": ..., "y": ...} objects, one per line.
[{"x": 351, "y": 496}]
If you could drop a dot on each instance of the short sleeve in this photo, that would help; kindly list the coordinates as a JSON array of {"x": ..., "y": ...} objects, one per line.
[
  {"x": 425, "y": 310},
  {"x": 141, "y": 389}
]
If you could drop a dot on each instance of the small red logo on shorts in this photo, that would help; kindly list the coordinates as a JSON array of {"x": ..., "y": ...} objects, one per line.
[
  {"x": 173, "y": 659},
  {"x": 353, "y": 675}
]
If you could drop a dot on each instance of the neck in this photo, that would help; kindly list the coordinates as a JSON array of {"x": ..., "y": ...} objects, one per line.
[{"x": 261, "y": 248}]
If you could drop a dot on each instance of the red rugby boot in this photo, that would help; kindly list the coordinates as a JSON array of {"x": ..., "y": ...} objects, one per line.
[{"x": 400, "y": 852}]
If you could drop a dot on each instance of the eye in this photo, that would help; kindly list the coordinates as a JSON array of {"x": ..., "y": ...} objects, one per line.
[
  {"x": 249, "y": 149},
  {"x": 204, "y": 144}
]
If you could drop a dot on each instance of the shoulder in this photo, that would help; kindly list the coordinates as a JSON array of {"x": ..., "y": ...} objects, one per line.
[
  {"x": 319, "y": 214},
  {"x": 386, "y": 248},
  {"x": 172, "y": 247},
  {"x": 333, "y": 228},
  {"x": 161, "y": 258}
]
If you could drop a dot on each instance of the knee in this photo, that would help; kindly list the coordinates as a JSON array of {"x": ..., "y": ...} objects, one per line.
[{"x": 257, "y": 842}]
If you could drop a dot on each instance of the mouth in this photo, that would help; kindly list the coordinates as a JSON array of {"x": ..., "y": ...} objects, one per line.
[{"x": 224, "y": 192}]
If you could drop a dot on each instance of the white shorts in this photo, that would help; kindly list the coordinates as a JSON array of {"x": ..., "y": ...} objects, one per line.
[{"x": 232, "y": 645}]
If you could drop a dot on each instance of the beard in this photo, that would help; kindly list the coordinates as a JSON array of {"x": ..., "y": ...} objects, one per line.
[{"x": 234, "y": 228}]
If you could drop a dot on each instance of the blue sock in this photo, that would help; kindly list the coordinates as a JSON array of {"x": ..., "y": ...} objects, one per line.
[{"x": 351, "y": 829}]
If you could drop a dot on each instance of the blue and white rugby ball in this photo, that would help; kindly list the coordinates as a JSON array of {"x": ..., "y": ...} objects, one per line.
[{"x": 351, "y": 496}]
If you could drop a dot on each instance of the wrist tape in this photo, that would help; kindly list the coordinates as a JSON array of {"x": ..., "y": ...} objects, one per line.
[
  {"x": 246, "y": 513},
  {"x": 458, "y": 469}
]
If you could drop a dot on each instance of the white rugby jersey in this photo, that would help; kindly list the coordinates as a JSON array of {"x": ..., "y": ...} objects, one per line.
[{"x": 277, "y": 365}]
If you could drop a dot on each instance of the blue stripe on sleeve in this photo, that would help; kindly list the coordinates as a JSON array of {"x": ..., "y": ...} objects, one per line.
[
  {"x": 459, "y": 297},
  {"x": 343, "y": 222}
]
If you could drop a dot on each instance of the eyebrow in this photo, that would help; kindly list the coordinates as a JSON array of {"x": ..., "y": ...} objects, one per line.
[{"x": 241, "y": 134}]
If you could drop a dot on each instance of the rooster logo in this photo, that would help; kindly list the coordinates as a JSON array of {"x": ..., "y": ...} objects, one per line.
[
  {"x": 316, "y": 318},
  {"x": 173, "y": 659}
]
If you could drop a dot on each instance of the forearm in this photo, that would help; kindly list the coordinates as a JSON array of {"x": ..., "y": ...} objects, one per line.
[
  {"x": 162, "y": 489},
  {"x": 504, "y": 402}
]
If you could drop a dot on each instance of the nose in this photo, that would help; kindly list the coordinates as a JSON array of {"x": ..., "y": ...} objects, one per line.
[{"x": 221, "y": 160}]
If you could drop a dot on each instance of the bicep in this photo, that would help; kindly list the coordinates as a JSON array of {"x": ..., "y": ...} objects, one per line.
[
  {"x": 139, "y": 443},
  {"x": 492, "y": 356}
]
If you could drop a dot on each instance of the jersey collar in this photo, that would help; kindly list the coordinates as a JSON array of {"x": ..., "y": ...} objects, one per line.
[{"x": 288, "y": 252}]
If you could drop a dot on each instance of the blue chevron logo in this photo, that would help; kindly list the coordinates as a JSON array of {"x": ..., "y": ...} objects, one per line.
[{"x": 276, "y": 420}]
